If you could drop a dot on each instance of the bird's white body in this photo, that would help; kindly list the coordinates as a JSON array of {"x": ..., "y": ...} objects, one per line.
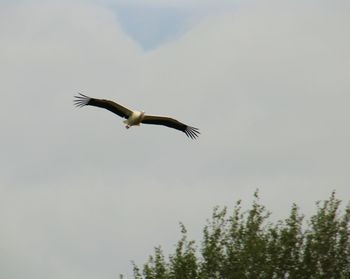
[{"x": 134, "y": 119}]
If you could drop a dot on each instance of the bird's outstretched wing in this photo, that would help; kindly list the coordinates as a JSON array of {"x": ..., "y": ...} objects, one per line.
[
  {"x": 82, "y": 100},
  {"x": 172, "y": 123}
]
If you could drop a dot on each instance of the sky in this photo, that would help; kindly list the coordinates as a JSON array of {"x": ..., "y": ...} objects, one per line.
[{"x": 266, "y": 82}]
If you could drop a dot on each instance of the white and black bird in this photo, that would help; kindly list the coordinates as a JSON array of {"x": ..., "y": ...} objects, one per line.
[{"x": 134, "y": 117}]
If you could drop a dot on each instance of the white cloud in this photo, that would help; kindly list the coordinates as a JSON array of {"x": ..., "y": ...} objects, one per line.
[{"x": 80, "y": 196}]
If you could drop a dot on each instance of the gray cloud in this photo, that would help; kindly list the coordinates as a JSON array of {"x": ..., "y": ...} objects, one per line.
[{"x": 80, "y": 196}]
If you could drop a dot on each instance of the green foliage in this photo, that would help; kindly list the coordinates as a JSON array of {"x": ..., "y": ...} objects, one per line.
[
  {"x": 183, "y": 264},
  {"x": 327, "y": 247},
  {"x": 245, "y": 245}
]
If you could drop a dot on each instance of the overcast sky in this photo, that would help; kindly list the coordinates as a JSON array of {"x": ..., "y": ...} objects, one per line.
[{"x": 267, "y": 82}]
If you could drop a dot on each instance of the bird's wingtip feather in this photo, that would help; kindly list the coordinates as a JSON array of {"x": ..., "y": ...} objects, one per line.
[
  {"x": 192, "y": 132},
  {"x": 81, "y": 100}
]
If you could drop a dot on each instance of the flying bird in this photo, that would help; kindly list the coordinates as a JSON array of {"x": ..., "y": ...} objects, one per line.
[{"x": 134, "y": 117}]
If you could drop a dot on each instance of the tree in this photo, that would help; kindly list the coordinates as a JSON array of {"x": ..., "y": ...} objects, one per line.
[{"x": 246, "y": 245}]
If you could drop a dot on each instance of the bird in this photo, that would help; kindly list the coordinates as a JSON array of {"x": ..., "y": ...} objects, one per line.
[{"x": 134, "y": 117}]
